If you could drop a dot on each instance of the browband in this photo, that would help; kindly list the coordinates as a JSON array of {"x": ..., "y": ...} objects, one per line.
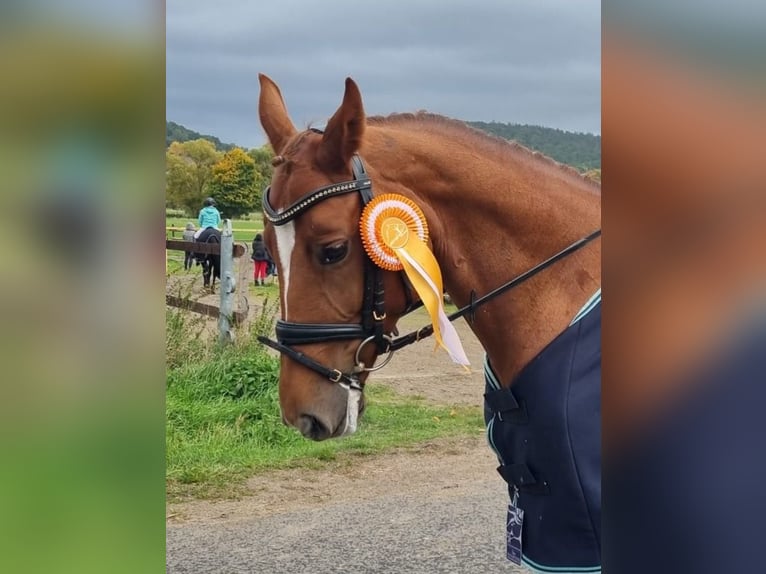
[{"x": 361, "y": 184}]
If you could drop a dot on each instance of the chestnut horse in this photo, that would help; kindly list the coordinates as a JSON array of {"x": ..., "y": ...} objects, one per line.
[{"x": 494, "y": 210}]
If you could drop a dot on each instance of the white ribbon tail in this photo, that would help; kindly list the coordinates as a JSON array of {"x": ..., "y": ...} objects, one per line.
[
  {"x": 448, "y": 333},
  {"x": 452, "y": 340}
]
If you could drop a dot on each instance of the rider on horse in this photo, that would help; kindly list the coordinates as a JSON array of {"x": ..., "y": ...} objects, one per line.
[{"x": 209, "y": 217}]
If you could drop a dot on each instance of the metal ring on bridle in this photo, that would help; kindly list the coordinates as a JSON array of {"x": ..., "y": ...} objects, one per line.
[{"x": 374, "y": 367}]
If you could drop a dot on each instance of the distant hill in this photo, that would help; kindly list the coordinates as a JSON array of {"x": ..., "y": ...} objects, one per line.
[
  {"x": 177, "y": 133},
  {"x": 582, "y": 151}
]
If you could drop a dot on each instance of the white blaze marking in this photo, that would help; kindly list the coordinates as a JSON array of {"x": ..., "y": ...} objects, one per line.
[
  {"x": 352, "y": 410},
  {"x": 285, "y": 235}
]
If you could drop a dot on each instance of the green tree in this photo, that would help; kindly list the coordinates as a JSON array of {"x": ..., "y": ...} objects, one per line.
[
  {"x": 177, "y": 133},
  {"x": 233, "y": 184},
  {"x": 188, "y": 169},
  {"x": 581, "y": 151},
  {"x": 262, "y": 157}
]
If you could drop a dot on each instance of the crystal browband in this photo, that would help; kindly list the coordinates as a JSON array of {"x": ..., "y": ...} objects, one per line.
[{"x": 280, "y": 218}]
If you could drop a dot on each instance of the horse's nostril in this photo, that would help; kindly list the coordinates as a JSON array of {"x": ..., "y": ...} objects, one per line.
[{"x": 311, "y": 427}]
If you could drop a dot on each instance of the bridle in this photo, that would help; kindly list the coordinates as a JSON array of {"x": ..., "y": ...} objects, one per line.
[{"x": 371, "y": 329}]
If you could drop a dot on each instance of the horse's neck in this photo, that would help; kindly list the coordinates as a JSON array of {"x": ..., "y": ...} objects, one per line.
[{"x": 489, "y": 222}]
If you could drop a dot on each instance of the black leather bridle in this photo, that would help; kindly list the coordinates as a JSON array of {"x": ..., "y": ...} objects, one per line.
[{"x": 371, "y": 329}]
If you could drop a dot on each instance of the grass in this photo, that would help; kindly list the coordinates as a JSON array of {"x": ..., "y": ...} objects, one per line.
[
  {"x": 224, "y": 425},
  {"x": 214, "y": 445},
  {"x": 175, "y": 263},
  {"x": 270, "y": 290}
]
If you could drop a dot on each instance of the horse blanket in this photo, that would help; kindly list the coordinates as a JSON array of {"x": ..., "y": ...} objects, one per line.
[{"x": 546, "y": 432}]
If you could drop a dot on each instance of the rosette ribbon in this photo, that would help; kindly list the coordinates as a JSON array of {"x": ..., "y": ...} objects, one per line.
[{"x": 395, "y": 234}]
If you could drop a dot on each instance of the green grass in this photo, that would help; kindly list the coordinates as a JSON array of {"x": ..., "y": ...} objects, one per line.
[
  {"x": 175, "y": 264},
  {"x": 270, "y": 290},
  {"x": 244, "y": 230},
  {"x": 213, "y": 445},
  {"x": 224, "y": 425}
]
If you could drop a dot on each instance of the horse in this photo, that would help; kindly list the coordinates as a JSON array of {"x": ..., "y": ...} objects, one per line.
[
  {"x": 494, "y": 211},
  {"x": 211, "y": 264}
]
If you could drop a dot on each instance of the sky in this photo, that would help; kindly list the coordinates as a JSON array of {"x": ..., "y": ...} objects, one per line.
[{"x": 518, "y": 61}]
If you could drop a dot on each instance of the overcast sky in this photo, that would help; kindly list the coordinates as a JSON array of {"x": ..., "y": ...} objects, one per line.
[{"x": 519, "y": 61}]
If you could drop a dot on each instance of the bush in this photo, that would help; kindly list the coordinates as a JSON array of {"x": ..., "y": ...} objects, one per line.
[
  {"x": 229, "y": 375},
  {"x": 242, "y": 370},
  {"x": 174, "y": 213}
]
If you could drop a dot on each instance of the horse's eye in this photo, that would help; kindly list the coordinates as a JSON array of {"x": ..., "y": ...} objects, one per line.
[{"x": 334, "y": 253}]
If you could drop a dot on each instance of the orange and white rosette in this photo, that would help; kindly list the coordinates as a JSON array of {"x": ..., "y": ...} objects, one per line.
[{"x": 395, "y": 234}]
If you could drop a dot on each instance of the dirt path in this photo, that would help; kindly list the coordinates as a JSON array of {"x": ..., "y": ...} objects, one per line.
[
  {"x": 437, "y": 508},
  {"x": 445, "y": 464}
]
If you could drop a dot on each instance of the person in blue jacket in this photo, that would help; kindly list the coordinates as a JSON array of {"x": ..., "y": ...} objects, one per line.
[{"x": 209, "y": 216}]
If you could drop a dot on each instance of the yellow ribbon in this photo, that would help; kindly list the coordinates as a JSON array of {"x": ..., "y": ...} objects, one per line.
[{"x": 390, "y": 229}]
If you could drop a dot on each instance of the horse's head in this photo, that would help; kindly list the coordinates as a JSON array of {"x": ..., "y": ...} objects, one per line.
[{"x": 333, "y": 323}]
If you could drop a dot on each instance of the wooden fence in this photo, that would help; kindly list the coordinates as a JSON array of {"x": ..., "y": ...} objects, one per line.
[
  {"x": 173, "y": 230},
  {"x": 228, "y": 250},
  {"x": 238, "y": 249}
]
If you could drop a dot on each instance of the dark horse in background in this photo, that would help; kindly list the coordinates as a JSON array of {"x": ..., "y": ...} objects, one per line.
[{"x": 211, "y": 264}]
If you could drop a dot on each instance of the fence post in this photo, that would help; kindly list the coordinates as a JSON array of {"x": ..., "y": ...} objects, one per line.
[
  {"x": 228, "y": 284},
  {"x": 243, "y": 280}
]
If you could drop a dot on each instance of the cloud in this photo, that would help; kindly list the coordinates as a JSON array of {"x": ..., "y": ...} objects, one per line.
[{"x": 535, "y": 62}]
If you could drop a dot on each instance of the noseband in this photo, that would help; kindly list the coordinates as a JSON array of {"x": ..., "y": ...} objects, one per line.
[{"x": 371, "y": 329}]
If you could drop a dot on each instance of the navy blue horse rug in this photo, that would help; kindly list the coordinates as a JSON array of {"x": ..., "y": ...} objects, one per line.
[{"x": 546, "y": 432}]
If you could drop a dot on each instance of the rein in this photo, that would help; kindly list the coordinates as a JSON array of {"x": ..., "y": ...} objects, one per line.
[
  {"x": 428, "y": 330},
  {"x": 373, "y": 306}
]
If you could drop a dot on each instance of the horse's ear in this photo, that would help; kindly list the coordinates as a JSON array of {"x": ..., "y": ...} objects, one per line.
[
  {"x": 273, "y": 112},
  {"x": 343, "y": 134}
]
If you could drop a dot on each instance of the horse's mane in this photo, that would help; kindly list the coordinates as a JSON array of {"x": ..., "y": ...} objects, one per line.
[{"x": 489, "y": 143}]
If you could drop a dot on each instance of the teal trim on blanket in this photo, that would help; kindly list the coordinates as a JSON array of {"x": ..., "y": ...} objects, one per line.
[
  {"x": 490, "y": 375},
  {"x": 588, "y": 307},
  {"x": 531, "y": 564}
]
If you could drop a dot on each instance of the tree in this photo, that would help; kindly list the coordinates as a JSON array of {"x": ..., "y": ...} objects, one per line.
[
  {"x": 188, "y": 168},
  {"x": 262, "y": 157},
  {"x": 580, "y": 150},
  {"x": 177, "y": 133},
  {"x": 233, "y": 184}
]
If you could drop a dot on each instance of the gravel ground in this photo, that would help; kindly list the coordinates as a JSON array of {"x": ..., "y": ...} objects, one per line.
[{"x": 437, "y": 508}]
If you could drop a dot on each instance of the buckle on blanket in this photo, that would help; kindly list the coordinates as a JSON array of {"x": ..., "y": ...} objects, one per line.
[
  {"x": 503, "y": 403},
  {"x": 520, "y": 477}
]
